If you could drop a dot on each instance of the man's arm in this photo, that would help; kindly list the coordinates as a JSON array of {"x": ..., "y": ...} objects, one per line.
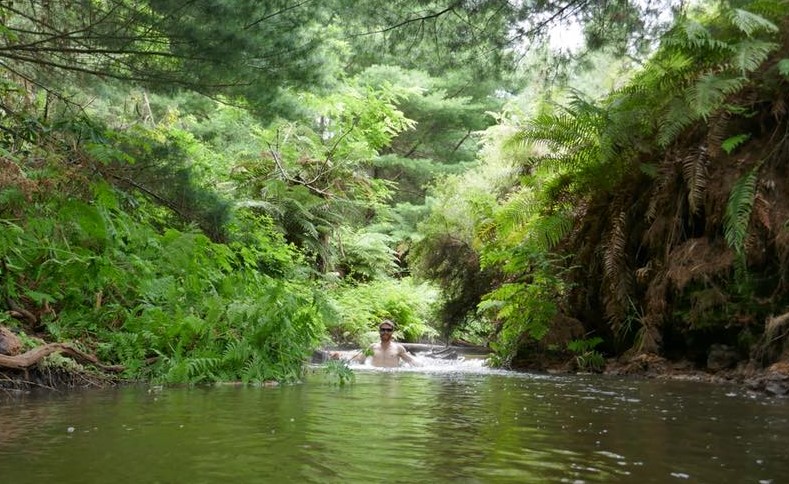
[
  {"x": 363, "y": 354},
  {"x": 406, "y": 356}
]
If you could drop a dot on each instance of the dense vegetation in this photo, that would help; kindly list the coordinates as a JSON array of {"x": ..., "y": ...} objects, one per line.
[
  {"x": 210, "y": 190},
  {"x": 651, "y": 219}
]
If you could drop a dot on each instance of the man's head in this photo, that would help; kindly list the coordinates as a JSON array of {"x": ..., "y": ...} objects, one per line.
[{"x": 385, "y": 329}]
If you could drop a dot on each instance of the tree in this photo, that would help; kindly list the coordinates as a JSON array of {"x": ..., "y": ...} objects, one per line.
[
  {"x": 238, "y": 47},
  {"x": 315, "y": 174}
]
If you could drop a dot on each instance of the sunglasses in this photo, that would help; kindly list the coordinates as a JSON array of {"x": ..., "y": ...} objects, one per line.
[{"x": 385, "y": 330}]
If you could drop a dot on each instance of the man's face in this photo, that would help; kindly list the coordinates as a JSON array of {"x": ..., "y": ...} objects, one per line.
[{"x": 385, "y": 330}]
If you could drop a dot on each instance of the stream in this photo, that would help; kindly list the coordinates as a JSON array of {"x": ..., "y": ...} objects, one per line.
[{"x": 443, "y": 422}]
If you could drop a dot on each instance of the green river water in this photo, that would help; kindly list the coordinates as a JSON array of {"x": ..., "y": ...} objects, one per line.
[{"x": 450, "y": 424}]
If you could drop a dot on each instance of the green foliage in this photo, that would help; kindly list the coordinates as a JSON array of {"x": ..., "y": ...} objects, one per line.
[
  {"x": 366, "y": 256},
  {"x": 186, "y": 239},
  {"x": 715, "y": 64},
  {"x": 750, "y": 23},
  {"x": 477, "y": 331},
  {"x": 338, "y": 372},
  {"x": 783, "y": 67},
  {"x": 579, "y": 156},
  {"x": 731, "y": 144},
  {"x": 205, "y": 311},
  {"x": 523, "y": 310},
  {"x": 361, "y": 308},
  {"x": 239, "y": 48},
  {"x": 586, "y": 357},
  {"x": 314, "y": 174},
  {"x": 445, "y": 250},
  {"x": 738, "y": 210}
]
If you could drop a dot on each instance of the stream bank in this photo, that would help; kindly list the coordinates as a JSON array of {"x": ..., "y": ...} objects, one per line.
[{"x": 56, "y": 366}]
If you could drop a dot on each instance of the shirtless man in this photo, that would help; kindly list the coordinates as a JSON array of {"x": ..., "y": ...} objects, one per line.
[{"x": 387, "y": 353}]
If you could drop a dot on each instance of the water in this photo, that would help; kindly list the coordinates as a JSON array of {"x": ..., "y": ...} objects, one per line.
[{"x": 448, "y": 423}]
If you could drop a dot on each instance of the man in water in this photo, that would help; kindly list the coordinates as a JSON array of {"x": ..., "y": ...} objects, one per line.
[{"x": 387, "y": 353}]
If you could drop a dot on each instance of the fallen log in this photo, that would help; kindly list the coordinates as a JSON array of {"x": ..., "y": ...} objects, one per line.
[{"x": 32, "y": 357}]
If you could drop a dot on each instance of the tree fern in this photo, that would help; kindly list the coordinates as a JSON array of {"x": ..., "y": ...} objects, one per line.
[
  {"x": 738, "y": 210},
  {"x": 719, "y": 64}
]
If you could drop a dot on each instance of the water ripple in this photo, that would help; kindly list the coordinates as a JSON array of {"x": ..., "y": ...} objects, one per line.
[{"x": 430, "y": 424}]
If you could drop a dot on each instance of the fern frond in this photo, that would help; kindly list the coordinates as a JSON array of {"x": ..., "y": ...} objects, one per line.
[
  {"x": 738, "y": 210},
  {"x": 615, "y": 249},
  {"x": 750, "y": 23},
  {"x": 664, "y": 74},
  {"x": 486, "y": 231},
  {"x": 730, "y": 144},
  {"x": 761, "y": 211},
  {"x": 691, "y": 35},
  {"x": 615, "y": 270},
  {"x": 236, "y": 353},
  {"x": 694, "y": 171},
  {"x": 783, "y": 67},
  {"x": 709, "y": 92},
  {"x": 201, "y": 368},
  {"x": 677, "y": 117},
  {"x": 517, "y": 211},
  {"x": 749, "y": 54},
  {"x": 548, "y": 231}
]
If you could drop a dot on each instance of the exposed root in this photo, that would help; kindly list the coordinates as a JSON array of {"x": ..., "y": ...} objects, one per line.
[{"x": 31, "y": 358}]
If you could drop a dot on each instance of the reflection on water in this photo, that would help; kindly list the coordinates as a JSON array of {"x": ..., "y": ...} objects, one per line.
[{"x": 438, "y": 423}]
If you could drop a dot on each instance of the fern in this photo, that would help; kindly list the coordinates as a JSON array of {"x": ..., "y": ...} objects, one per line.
[
  {"x": 708, "y": 93},
  {"x": 749, "y": 54},
  {"x": 547, "y": 231},
  {"x": 198, "y": 369},
  {"x": 236, "y": 353},
  {"x": 526, "y": 310},
  {"x": 750, "y": 23},
  {"x": 694, "y": 170},
  {"x": 695, "y": 35},
  {"x": 717, "y": 70},
  {"x": 678, "y": 116},
  {"x": 518, "y": 210},
  {"x": 738, "y": 210},
  {"x": 731, "y": 144},
  {"x": 783, "y": 67}
]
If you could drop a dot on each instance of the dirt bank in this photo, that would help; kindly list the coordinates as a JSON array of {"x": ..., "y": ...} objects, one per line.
[{"x": 772, "y": 381}]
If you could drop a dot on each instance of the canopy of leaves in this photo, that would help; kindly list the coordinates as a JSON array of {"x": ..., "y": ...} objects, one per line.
[{"x": 249, "y": 48}]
